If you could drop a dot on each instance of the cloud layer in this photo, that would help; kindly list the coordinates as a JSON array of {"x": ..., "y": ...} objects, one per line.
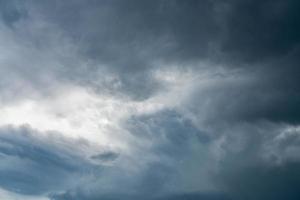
[{"x": 158, "y": 100}]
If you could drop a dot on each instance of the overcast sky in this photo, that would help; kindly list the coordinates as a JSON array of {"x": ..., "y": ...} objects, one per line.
[{"x": 149, "y": 99}]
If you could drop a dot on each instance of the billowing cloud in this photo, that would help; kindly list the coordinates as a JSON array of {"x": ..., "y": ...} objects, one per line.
[{"x": 149, "y": 99}]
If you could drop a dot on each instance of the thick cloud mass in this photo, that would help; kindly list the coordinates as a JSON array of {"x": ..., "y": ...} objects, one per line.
[
  {"x": 154, "y": 100},
  {"x": 34, "y": 165}
]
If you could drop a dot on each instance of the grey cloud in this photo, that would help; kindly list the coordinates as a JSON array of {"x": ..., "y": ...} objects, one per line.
[
  {"x": 128, "y": 38},
  {"x": 263, "y": 182},
  {"x": 244, "y": 166},
  {"x": 12, "y": 11},
  {"x": 253, "y": 166},
  {"x": 148, "y": 184},
  {"x": 196, "y": 196},
  {"x": 188, "y": 196},
  {"x": 246, "y": 96},
  {"x": 262, "y": 30},
  {"x": 106, "y": 156},
  {"x": 33, "y": 166},
  {"x": 172, "y": 137},
  {"x": 107, "y": 28},
  {"x": 85, "y": 42},
  {"x": 171, "y": 130}
]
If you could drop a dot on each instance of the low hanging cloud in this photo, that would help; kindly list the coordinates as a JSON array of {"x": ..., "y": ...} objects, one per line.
[
  {"x": 28, "y": 159},
  {"x": 155, "y": 100}
]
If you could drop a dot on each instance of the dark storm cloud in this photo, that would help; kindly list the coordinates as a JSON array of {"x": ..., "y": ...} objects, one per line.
[
  {"x": 33, "y": 166},
  {"x": 106, "y": 156},
  {"x": 12, "y": 11},
  {"x": 172, "y": 136},
  {"x": 148, "y": 184},
  {"x": 258, "y": 38},
  {"x": 129, "y": 34},
  {"x": 191, "y": 196},
  {"x": 263, "y": 36},
  {"x": 259, "y": 30},
  {"x": 128, "y": 40},
  {"x": 247, "y": 174},
  {"x": 196, "y": 196},
  {"x": 263, "y": 182},
  {"x": 132, "y": 38},
  {"x": 249, "y": 96},
  {"x": 171, "y": 130}
]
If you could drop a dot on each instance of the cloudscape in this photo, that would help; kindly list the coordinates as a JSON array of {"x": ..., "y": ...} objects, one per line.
[{"x": 149, "y": 100}]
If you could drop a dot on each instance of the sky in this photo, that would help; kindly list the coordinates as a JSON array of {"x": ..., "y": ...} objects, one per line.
[{"x": 149, "y": 99}]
